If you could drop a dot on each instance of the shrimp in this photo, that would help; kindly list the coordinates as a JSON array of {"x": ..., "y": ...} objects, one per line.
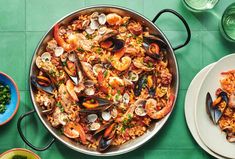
[
  {"x": 122, "y": 64},
  {"x": 139, "y": 64},
  {"x": 60, "y": 41},
  {"x": 151, "y": 105},
  {"x": 70, "y": 89},
  {"x": 75, "y": 130},
  {"x": 114, "y": 19}
]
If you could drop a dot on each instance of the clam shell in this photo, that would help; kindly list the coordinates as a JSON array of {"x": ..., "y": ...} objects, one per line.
[
  {"x": 114, "y": 113},
  {"x": 106, "y": 115},
  {"x": 46, "y": 56},
  {"x": 97, "y": 68},
  {"x": 92, "y": 118},
  {"x": 39, "y": 62},
  {"x": 89, "y": 91},
  {"x": 94, "y": 126},
  {"x": 126, "y": 98},
  {"x": 140, "y": 111},
  {"x": 58, "y": 51},
  {"x": 94, "y": 24},
  {"x": 133, "y": 76},
  {"x": 72, "y": 57},
  {"x": 94, "y": 15},
  {"x": 102, "y": 30},
  {"x": 89, "y": 30},
  {"x": 102, "y": 19}
]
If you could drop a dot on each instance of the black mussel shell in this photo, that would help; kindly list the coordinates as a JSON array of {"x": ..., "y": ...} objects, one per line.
[
  {"x": 48, "y": 89},
  {"x": 139, "y": 85}
]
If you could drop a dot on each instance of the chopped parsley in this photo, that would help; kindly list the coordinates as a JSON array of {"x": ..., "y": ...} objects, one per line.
[
  {"x": 58, "y": 104},
  {"x": 80, "y": 49},
  {"x": 105, "y": 73}
]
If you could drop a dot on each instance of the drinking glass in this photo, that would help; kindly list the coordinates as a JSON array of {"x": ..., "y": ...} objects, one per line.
[
  {"x": 200, "y": 5},
  {"x": 227, "y": 24}
]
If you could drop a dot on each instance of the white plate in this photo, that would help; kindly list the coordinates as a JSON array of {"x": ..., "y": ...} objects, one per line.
[
  {"x": 189, "y": 107},
  {"x": 209, "y": 133}
]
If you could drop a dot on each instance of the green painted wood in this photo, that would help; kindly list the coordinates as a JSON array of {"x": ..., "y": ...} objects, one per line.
[{"x": 23, "y": 23}]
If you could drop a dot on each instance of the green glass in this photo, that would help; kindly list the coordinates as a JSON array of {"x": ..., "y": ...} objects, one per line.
[
  {"x": 200, "y": 5},
  {"x": 227, "y": 26}
]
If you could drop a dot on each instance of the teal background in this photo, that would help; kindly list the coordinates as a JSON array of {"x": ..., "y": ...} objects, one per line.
[{"x": 23, "y": 23}]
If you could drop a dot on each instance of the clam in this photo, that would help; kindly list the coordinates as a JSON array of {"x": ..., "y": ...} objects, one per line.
[
  {"x": 72, "y": 57},
  {"x": 43, "y": 84},
  {"x": 114, "y": 113},
  {"x": 45, "y": 57},
  {"x": 89, "y": 91},
  {"x": 106, "y": 115},
  {"x": 133, "y": 76},
  {"x": 139, "y": 85},
  {"x": 126, "y": 98},
  {"x": 102, "y": 30},
  {"x": 92, "y": 118},
  {"x": 97, "y": 68},
  {"x": 64, "y": 57},
  {"x": 94, "y": 24},
  {"x": 89, "y": 30},
  {"x": 94, "y": 126},
  {"x": 102, "y": 19},
  {"x": 153, "y": 46},
  {"x": 58, "y": 51},
  {"x": 94, "y": 15},
  {"x": 39, "y": 62},
  {"x": 140, "y": 111},
  {"x": 117, "y": 98}
]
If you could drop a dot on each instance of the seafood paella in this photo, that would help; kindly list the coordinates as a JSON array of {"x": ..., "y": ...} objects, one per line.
[
  {"x": 103, "y": 79},
  {"x": 222, "y": 109}
]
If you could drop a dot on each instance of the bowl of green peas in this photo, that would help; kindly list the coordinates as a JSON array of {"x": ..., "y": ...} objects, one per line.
[{"x": 9, "y": 98}]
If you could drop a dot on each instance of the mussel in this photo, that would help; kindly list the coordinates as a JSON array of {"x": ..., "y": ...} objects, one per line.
[
  {"x": 139, "y": 85},
  {"x": 153, "y": 46},
  {"x": 93, "y": 104},
  {"x": 212, "y": 108},
  {"x": 106, "y": 139},
  {"x": 43, "y": 83},
  {"x": 76, "y": 75},
  {"x": 112, "y": 44}
]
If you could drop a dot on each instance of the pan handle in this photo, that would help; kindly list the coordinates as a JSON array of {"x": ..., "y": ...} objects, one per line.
[
  {"x": 23, "y": 137},
  {"x": 182, "y": 19}
]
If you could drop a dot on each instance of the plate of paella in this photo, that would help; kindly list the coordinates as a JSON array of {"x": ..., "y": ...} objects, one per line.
[
  {"x": 102, "y": 81},
  {"x": 214, "y": 111}
]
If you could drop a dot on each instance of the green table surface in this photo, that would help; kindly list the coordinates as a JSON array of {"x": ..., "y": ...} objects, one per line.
[{"x": 23, "y": 23}]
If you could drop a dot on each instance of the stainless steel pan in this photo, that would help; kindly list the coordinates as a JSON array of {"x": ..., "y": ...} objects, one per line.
[{"x": 154, "y": 128}]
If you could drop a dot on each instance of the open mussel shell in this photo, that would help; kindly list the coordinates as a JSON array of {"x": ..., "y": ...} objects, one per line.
[
  {"x": 214, "y": 112},
  {"x": 102, "y": 128},
  {"x": 113, "y": 44},
  {"x": 93, "y": 104},
  {"x": 48, "y": 89},
  {"x": 104, "y": 143},
  {"x": 153, "y": 39}
]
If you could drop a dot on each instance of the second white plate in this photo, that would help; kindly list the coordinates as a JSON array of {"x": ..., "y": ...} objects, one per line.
[{"x": 209, "y": 133}]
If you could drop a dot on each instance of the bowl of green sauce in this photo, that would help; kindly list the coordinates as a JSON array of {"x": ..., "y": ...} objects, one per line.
[
  {"x": 19, "y": 153},
  {"x": 9, "y": 98}
]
